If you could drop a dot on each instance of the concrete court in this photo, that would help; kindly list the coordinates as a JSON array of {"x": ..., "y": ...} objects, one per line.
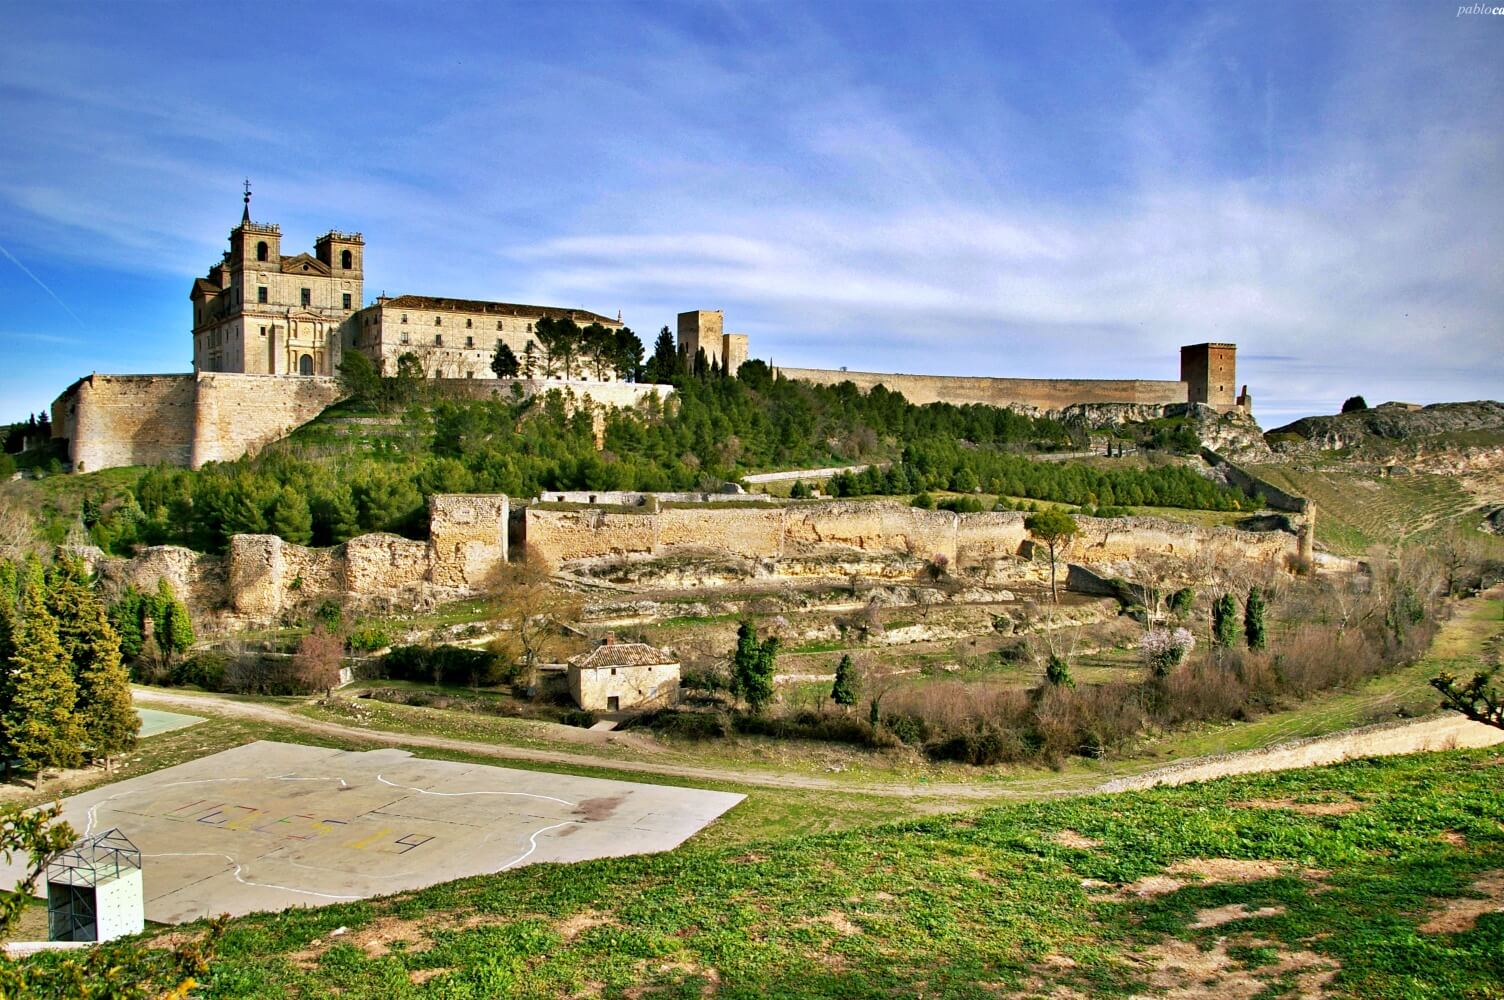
[
  {"x": 154, "y": 721},
  {"x": 268, "y": 825}
]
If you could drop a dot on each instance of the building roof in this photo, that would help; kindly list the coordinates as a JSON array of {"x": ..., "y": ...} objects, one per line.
[
  {"x": 623, "y": 654},
  {"x": 496, "y": 308}
]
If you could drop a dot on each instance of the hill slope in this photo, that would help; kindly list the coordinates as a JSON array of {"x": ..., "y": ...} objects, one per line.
[{"x": 1236, "y": 888}]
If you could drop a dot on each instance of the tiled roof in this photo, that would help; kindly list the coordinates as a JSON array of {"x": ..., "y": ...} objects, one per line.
[
  {"x": 623, "y": 654},
  {"x": 496, "y": 308}
]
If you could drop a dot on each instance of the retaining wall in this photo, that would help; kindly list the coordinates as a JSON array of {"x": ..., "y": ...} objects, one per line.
[{"x": 1040, "y": 393}]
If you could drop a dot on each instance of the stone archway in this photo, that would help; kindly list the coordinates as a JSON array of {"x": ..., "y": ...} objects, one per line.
[{"x": 305, "y": 365}]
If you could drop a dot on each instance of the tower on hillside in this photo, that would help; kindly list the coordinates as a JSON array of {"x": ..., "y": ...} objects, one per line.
[
  {"x": 701, "y": 329},
  {"x": 1210, "y": 372}
]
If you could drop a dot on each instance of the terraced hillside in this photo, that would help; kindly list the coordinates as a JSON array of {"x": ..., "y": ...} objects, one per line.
[{"x": 1358, "y": 509}]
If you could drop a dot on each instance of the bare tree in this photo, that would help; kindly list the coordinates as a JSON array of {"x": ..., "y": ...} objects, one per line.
[
  {"x": 316, "y": 662},
  {"x": 533, "y": 612}
]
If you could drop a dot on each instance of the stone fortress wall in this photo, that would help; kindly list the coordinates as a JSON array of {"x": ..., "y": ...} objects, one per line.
[
  {"x": 261, "y": 575},
  {"x": 116, "y": 420},
  {"x": 1039, "y": 393}
]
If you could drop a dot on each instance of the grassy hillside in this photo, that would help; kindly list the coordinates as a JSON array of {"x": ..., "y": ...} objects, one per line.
[
  {"x": 1356, "y": 510},
  {"x": 1363, "y": 880}
]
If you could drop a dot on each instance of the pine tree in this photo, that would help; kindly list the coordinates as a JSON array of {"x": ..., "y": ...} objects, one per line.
[
  {"x": 291, "y": 517},
  {"x": 1225, "y": 620},
  {"x": 504, "y": 362},
  {"x": 843, "y": 692},
  {"x": 38, "y": 718},
  {"x": 1253, "y": 619}
]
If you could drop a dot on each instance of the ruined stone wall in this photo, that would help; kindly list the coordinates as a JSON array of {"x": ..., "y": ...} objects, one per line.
[
  {"x": 618, "y": 394},
  {"x": 467, "y": 538},
  {"x": 1043, "y": 394},
  {"x": 114, "y": 420},
  {"x": 560, "y": 536},
  {"x": 239, "y": 415},
  {"x": 884, "y": 530},
  {"x": 376, "y": 564},
  {"x": 743, "y": 531}
]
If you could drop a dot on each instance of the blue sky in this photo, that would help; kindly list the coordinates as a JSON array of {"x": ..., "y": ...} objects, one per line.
[{"x": 1021, "y": 189}]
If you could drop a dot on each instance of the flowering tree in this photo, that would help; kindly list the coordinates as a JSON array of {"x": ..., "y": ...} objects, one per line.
[{"x": 1164, "y": 650}]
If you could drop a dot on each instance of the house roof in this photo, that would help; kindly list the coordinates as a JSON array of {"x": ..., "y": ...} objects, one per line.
[
  {"x": 496, "y": 308},
  {"x": 623, "y": 654},
  {"x": 304, "y": 264}
]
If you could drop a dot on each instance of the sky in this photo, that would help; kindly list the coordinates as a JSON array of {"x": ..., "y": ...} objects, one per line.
[{"x": 1015, "y": 189}]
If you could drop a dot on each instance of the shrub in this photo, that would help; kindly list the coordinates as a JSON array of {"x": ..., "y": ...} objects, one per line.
[
  {"x": 369, "y": 638},
  {"x": 456, "y": 665},
  {"x": 923, "y": 501},
  {"x": 203, "y": 670}
]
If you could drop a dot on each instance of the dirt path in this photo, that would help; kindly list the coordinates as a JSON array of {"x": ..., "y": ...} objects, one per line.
[{"x": 1435, "y": 733}]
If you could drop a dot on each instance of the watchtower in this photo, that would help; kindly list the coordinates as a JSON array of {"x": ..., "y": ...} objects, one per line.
[
  {"x": 1210, "y": 372},
  {"x": 701, "y": 329}
]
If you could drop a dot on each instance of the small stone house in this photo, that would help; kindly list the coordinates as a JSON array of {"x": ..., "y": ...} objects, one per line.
[{"x": 621, "y": 675}]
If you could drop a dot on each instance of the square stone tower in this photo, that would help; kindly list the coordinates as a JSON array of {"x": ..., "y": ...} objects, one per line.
[
  {"x": 702, "y": 328},
  {"x": 1210, "y": 372},
  {"x": 733, "y": 352}
]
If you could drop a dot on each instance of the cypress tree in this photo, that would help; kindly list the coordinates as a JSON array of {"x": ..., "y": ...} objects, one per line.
[
  {"x": 174, "y": 632},
  {"x": 38, "y": 717},
  {"x": 1225, "y": 620},
  {"x": 1253, "y": 619},
  {"x": 843, "y": 692}
]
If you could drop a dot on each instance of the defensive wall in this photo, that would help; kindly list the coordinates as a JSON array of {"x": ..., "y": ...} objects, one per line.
[
  {"x": 261, "y": 576},
  {"x": 116, "y": 420},
  {"x": 1040, "y": 393},
  {"x": 864, "y": 530}
]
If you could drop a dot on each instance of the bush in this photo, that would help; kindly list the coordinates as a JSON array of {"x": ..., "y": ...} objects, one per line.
[
  {"x": 203, "y": 670},
  {"x": 686, "y": 725},
  {"x": 923, "y": 501},
  {"x": 369, "y": 638},
  {"x": 454, "y": 665}
]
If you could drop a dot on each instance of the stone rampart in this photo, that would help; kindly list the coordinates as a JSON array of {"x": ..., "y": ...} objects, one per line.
[
  {"x": 1040, "y": 393},
  {"x": 467, "y": 538},
  {"x": 114, "y": 420},
  {"x": 618, "y": 394},
  {"x": 878, "y": 529},
  {"x": 237, "y": 415},
  {"x": 380, "y": 563}
]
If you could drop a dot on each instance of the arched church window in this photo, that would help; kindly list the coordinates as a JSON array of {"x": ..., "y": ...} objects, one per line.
[
  {"x": 346, "y": 258},
  {"x": 262, "y": 250},
  {"x": 305, "y": 365}
]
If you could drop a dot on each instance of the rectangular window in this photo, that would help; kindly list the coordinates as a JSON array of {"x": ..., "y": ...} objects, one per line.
[
  {"x": 438, "y": 340},
  {"x": 469, "y": 374},
  {"x": 469, "y": 341},
  {"x": 307, "y": 296},
  {"x": 404, "y": 317},
  {"x": 438, "y": 321},
  {"x": 403, "y": 338},
  {"x": 261, "y": 294},
  {"x": 347, "y": 300},
  {"x": 498, "y": 324},
  {"x": 468, "y": 324},
  {"x": 263, "y": 331}
]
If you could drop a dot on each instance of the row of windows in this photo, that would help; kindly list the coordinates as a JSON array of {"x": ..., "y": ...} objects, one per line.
[
  {"x": 469, "y": 323},
  {"x": 307, "y": 296}
]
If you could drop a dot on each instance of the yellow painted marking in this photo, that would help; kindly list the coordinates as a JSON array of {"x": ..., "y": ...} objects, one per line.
[{"x": 361, "y": 845}]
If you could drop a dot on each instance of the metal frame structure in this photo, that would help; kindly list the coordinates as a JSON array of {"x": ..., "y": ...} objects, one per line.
[{"x": 72, "y": 913}]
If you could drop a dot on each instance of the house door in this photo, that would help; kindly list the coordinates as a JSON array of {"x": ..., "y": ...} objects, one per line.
[
  {"x": 613, "y": 704},
  {"x": 305, "y": 365}
]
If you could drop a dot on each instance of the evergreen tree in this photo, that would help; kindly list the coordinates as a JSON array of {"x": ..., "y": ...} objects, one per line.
[
  {"x": 106, "y": 717},
  {"x": 752, "y": 667},
  {"x": 1253, "y": 619},
  {"x": 40, "y": 727},
  {"x": 1055, "y": 528},
  {"x": 290, "y": 516},
  {"x": 127, "y": 615},
  {"x": 174, "y": 632},
  {"x": 843, "y": 692},
  {"x": 663, "y": 366},
  {"x": 1058, "y": 672},
  {"x": 1225, "y": 620},
  {"x": 504, "y": 362}
]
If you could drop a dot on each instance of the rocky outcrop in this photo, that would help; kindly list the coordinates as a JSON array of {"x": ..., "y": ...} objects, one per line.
[{"x": 1385, "y": 430}]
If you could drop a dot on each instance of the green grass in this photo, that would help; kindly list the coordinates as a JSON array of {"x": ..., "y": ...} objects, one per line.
[{"x": 985, "y": 904}]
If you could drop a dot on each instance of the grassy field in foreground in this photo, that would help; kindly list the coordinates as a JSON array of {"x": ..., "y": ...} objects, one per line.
[{"x": 1370, "y": 879}]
